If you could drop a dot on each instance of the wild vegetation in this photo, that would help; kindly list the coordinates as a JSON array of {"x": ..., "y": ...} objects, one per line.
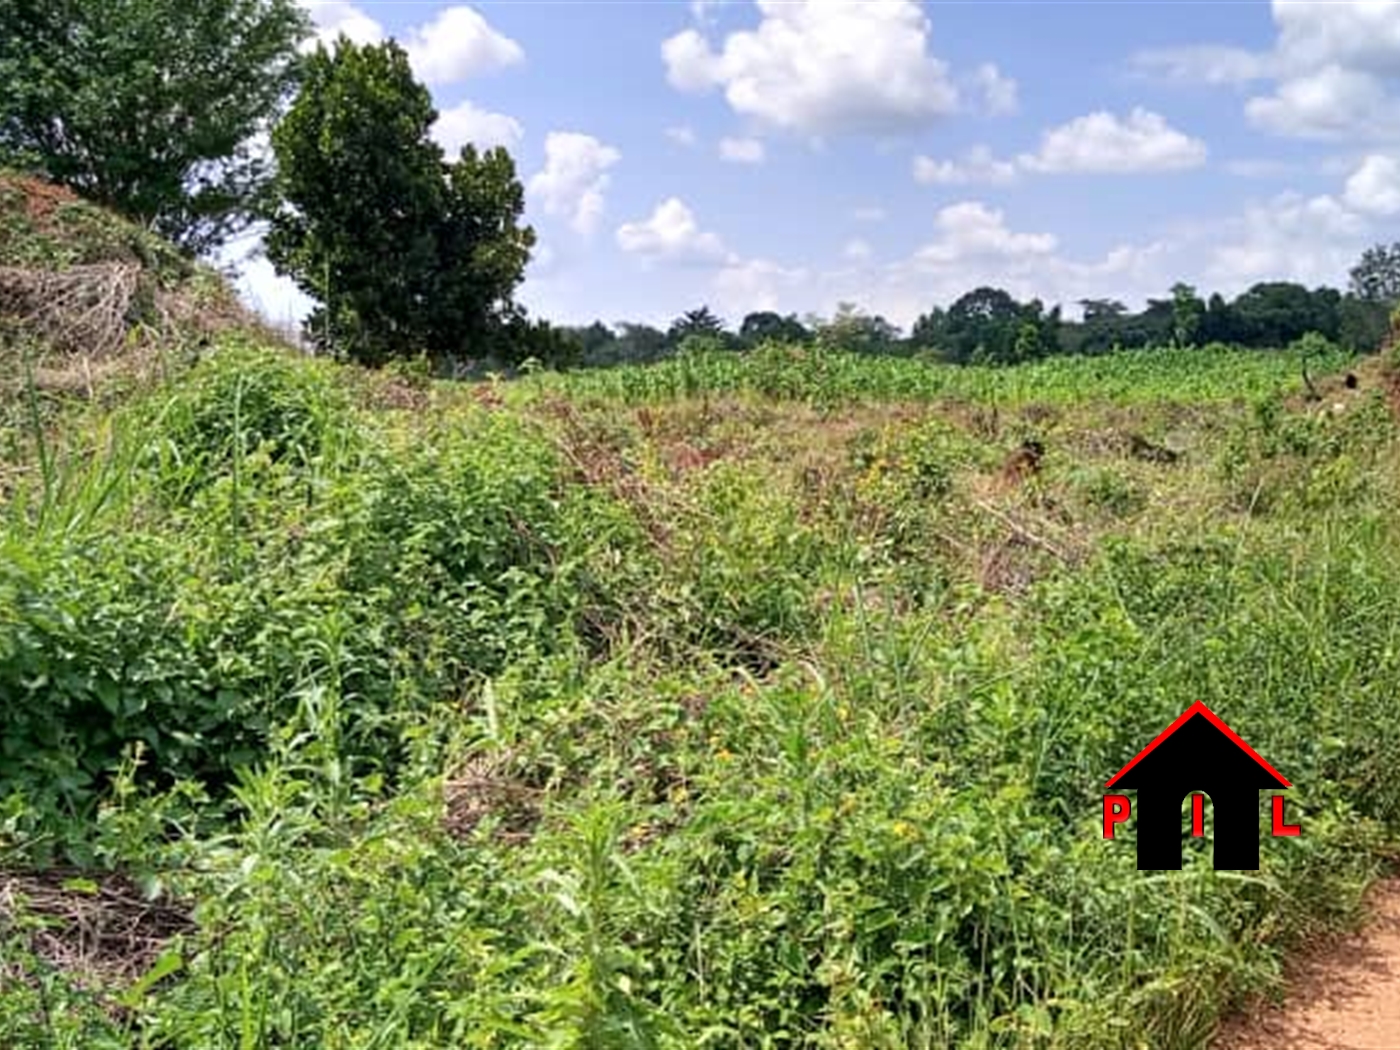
[
  {"x": 740, "y": 700},
  {"x": 761, "y": 695}
]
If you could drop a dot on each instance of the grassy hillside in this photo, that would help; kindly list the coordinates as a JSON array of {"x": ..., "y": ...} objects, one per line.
[{"x": 733, "y": 702}]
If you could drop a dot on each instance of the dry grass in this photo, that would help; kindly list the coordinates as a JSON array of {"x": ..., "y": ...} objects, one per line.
[{"x": 100, "y": 930}]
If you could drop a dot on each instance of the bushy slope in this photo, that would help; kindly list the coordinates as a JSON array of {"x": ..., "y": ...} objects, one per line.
[
  {"x": 527, "y": 717},
  {"x": 84, "y": 294}
]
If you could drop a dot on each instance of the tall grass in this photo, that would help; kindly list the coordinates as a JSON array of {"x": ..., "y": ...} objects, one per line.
[{"x": 495, "y": 732}]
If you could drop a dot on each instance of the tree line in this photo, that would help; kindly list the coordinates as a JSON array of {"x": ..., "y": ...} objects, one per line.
[
  {"x": 989, "y": 326},
  {"x": 156, "y": 109}
]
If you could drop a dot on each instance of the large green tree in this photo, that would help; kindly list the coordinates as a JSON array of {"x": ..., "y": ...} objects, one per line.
[
  {"x": 1376, "y": 276},
  {"x": 150, "y": 107},
  {"x": 405, "y": 252}
]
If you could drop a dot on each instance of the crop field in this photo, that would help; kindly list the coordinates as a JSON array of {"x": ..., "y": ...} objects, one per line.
[{"x": 740, "y": 701}]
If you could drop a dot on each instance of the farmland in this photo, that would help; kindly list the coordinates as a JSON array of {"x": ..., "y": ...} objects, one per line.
[{"x": 741, "y": 700}]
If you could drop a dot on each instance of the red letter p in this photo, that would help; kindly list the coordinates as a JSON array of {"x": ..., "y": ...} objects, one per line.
[{"x": 1116, "y": 809}]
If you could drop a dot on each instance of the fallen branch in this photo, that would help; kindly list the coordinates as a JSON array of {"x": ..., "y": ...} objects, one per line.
[{"x": 1024, "y": 534}]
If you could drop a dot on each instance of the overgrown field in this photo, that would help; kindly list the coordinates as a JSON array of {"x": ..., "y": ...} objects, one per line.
[{"x": 732, "y": 702}]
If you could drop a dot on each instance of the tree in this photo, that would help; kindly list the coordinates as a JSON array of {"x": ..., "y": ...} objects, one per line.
[
  {"x": 640, "y": 342},
  {"x": 983, "y": 325},
  {"x": 1275, "y": 313},
  {"x": 1362, "y": 325},
  {"x": 1376, "y": 276},
  {"x": 150, "y": 107},
  {"x": 701, "y": 322},
  {"x": 597, "y": 343},
  {"x": 1187, "y": 314},
  {"x": 1100, "y": 310},
  {"x": 1218, "y": 322},
  {"x": 928, "y": 330},
  {"x": 768, "y": 326},
  {"x": 404, "y": 252},
  {"x": 858, "y": 332}
]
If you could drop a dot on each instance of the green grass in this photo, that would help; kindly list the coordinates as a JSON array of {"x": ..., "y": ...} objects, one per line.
[{"x": 473, "y": 727}]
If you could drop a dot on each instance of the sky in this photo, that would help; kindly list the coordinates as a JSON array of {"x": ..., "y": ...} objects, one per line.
[{"x": 792, "y": 155}]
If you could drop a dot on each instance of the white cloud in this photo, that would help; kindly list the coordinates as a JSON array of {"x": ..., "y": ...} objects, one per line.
[
  {"x": 1205, "y": 64},
  {"x": 970, "y": 229},
  {"x": 1312, "y": 240},
  {"x": 334, "y": 17},
  {"x": 682, "y": 135},
  {"x": 671, "y": 234},
  {"x": 457, "y": 44},
  {"x": 999, "y": 93},
  {"x": 869, "y": 213},
  {"x": 857, "y": 250},
  {"x": 1363, "y": 35},
  {"x": 574, "y": 178},
  {"x": 1101, "y": 142},
  {"x": 1328, "y": 103},
  {"x": 1374, "y": 188},
  {"x": 757, "y": 284},
  {"x": 741, "y": 151},
  {"x": 823, "y": 67},
  {"x": 464, "y": 123},
  {"x": 1331, "y": 63},
  {"x": 977, "y": 165},
  {"x": 702, "y": 10}
]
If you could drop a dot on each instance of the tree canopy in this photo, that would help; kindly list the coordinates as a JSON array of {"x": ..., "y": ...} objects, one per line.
[
  {"x": 404, "y": 252},
  {"x": 150, "y": 107}
]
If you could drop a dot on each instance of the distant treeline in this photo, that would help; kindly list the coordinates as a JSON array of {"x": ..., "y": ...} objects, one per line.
[{"x": 989, "y": 326}]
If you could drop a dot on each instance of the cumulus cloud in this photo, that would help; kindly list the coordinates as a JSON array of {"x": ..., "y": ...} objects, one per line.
[
  {"x": 976, "y": 166},
  {"x": 331, "y": 18},
  {"x": 1374, "y": 188},
  {"x": 970, "y": 229},
  {"x": 823, "y": 67},
  {"x": 671, "y": 234},
  {"x": 744, "y": 287},
  {"x": 1100, "y": 142},
  {"x": 1312, "y": 240},
  {"x": 999, "y": 92},
  {"x": 1329, "y": 103},
  {"x": 1331, "y": 63},
  {"x": 457, "y": 44},
  {"x": 574, "y": 179},
  {"x": 741, "y": 151},
  {"x": 465, "y": 123},
  {"x": 974, "y": 245},
  {"x": 1362, "y": 35}
]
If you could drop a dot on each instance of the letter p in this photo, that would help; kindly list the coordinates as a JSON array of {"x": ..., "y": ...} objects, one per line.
[{"x": 1116, "y": 809}]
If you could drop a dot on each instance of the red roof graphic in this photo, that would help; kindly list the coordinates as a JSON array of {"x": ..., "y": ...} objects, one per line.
[{"x": 1199, "y": 708}]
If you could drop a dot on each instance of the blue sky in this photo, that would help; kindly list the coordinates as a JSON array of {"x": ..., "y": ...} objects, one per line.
[{"x": 795, "y": 154}]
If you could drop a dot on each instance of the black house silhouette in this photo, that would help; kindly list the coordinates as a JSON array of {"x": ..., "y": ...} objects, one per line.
[{"x": 1198, "y": 752}]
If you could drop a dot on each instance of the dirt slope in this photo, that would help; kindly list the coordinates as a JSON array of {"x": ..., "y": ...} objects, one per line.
[{"x": 1346, "y": 997}]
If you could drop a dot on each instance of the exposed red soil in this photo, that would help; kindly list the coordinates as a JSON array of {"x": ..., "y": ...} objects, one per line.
[{"x": 1344, "y": 995}]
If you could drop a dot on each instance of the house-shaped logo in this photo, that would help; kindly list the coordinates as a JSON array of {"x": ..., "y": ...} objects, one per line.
[{"x": 1196, "y": 753}]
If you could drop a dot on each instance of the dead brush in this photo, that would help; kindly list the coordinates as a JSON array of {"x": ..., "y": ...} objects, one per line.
[
  {"x": 102, "y": 932},
  {"x": 484, "y": 786},
  {"x": 85, "y": 310}
]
